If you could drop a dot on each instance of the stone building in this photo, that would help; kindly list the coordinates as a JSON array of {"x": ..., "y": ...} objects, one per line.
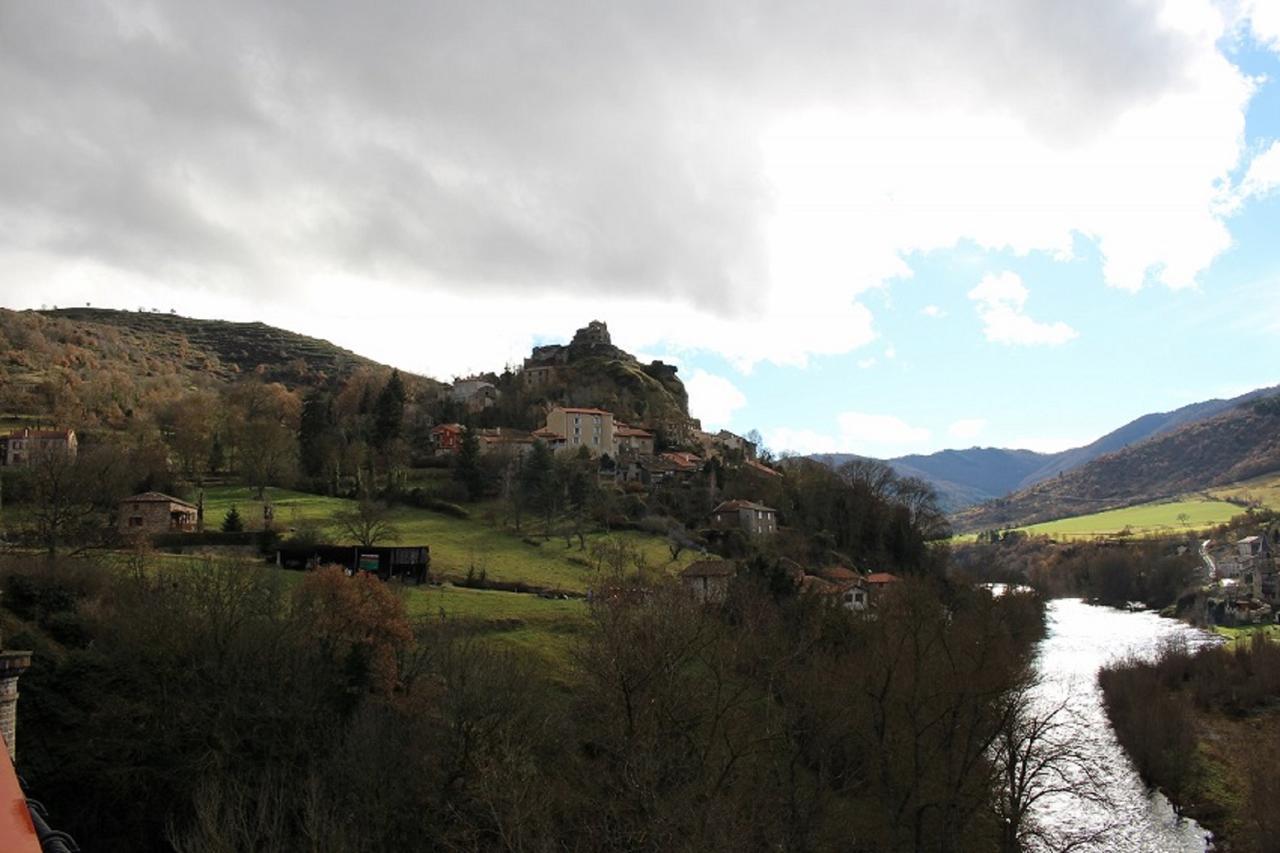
[
  {"x": 708, "y": 580},
  {"x": 753, "y": 518},
  {"x": 153, "y": 512}
]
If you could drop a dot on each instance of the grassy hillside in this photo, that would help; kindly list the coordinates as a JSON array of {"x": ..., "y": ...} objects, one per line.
[
  {"x": 1141, "y": 520},
  {"x": 1241, "y": 443},
  {"x": 457, "y": 545}
]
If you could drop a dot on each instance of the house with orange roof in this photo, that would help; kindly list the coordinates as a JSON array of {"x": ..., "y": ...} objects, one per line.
[
  {"x": 631, "y": 441},
  {"x": 582, "y": 427}
]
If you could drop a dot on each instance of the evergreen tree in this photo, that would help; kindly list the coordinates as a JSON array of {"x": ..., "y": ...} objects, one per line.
[
  {"x": 231, "y": 522},
  {"x": 538, "y": 482},
  {"x": 316, "y": 435},
  {"x": 467, "y": 470},
  {"x": 388, "y": 412}
]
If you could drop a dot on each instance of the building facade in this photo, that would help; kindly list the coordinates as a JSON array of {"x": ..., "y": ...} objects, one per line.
[
  {"x": 21, "y": 446},
  {"x": 153, "y": 512}
]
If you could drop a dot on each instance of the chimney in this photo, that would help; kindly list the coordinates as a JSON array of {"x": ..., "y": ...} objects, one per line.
[{"x": 12, "y": 665}]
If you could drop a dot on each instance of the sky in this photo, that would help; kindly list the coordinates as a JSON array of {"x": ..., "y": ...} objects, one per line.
[{"x": 855, "y": 226}]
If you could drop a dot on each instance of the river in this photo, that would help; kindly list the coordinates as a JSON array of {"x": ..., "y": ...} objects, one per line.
[{"x": 1081, "y": 639}]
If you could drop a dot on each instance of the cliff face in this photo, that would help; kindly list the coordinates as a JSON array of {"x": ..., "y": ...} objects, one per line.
[{"x": 591, "y": 371}]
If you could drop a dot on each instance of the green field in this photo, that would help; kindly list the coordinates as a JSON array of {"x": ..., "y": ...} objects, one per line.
[
  {"x": 1141, "y": 520},
  {"x": 1242, "y": 636},
  {"x": 1264, "y": 490},
  {"x": 457, "y": 545}
]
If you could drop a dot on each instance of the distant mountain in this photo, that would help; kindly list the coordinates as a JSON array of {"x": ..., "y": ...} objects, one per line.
[
  {"x": 964, "y": 478},
  {"x": 961, "y": 478},
  {"x": 1236, "y": 444},
  {"x": 1134, "y": 432}
]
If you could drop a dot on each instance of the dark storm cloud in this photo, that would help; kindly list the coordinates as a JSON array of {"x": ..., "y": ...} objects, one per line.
[{"x": 516, "y": 146}]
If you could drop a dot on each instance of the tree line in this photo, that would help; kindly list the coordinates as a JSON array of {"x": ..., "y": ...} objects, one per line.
[{"x": 213, "y": 707}]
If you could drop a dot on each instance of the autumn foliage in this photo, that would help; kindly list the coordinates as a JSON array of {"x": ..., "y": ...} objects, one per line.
[{"x": 359, "y": 622}]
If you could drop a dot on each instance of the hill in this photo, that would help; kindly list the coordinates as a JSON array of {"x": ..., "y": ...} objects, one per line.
[
  {"x": 1234, "y": 445},
  {"x": 963, "y": 478},
  {"x": 87, "y": 366},
  {"x": 223, "y": 348},
  {"x": 591, "y": 371}
]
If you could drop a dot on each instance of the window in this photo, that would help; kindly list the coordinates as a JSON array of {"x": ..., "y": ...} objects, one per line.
[{"x": 135, "y": 521}]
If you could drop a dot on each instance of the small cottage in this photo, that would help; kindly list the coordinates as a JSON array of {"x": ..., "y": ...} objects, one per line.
[
  {"x": 153, "y": 512},
  {"x": 708, "y": 580}
]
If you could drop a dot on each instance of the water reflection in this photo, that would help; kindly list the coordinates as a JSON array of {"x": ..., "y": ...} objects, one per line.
[{"x": 1082, "y": 638}]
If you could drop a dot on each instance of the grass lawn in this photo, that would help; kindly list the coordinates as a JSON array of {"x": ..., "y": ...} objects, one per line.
[
  {"x": 545, "y": 628},
  {"x": 1143, "y": 519},
  {"x": 457, "y": 545},
  {"x": 1240, "y": 636}
]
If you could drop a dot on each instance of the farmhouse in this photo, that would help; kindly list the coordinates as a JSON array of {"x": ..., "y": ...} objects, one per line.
[
  {"x": 153, "y": 512},
  {"x": 21, "y": 446},
  {"x": 754, "y": 518}
]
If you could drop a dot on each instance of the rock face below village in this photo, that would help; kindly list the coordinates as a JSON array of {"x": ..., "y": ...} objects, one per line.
[{"x": 591, "y": 371}]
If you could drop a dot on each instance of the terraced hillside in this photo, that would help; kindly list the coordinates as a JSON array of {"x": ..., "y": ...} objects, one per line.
[{"x": 233, "y": 347}]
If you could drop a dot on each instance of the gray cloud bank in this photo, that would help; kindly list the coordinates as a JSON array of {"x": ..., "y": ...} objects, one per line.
[{"x": 493, "y": 147}]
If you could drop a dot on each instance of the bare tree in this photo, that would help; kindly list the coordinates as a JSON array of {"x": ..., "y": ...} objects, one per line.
[
  {"x": 1038, "y": 757},
  {"x": 61, "y": 500},
  {"x": 368, "y": 523}
]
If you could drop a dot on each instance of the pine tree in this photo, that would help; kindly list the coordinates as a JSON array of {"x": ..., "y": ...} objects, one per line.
[
  {"x": 388, "y": 412},
  {"x": 467, "y": 470},
  {"x": 231, "y": 522}
]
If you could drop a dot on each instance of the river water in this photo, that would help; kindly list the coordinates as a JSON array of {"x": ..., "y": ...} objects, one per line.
[{"x": 1081, "y": 639}]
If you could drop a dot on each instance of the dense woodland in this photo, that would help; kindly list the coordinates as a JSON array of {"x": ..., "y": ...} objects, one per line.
[{"x": 215, "y": 708}]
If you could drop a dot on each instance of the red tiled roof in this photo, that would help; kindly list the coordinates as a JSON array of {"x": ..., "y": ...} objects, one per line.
[
  {"x": 762, "y": 468},
  {"x": 447, "y": 428},
  {"x": 545, "y": 433},
  {"x": 818, "y": 586},
  {"x": 630, "y": 431},
  {"x": 839, "y": 573},
  {"x": 710, "y": 569},
  {"x": 882, "y": 577},
  {"x": 685, "y": 460}
]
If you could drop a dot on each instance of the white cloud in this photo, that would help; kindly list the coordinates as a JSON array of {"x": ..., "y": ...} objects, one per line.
[
  {"x": 1000, "y": 301},
  {"x": 1264, "y": 20},
  {"x": 868, "y": 362},
  {"x": 933, "y": 311},
  {"x": 1263, "y": 175},
  {"x": 967, "y": 429},
  {"x": 713, "y": 398},
  {"x": 738, "y": 206},
  {"x": 856, "y": 432},
  {"x": 890, "y": 353}
]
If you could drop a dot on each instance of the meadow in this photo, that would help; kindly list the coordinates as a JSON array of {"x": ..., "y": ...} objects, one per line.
[
  {"x": 1163, "y": 517},
  {"x": 458, "y": 546}
]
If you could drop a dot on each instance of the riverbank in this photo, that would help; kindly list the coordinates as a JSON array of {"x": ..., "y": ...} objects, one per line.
[{"x": 1203, "y": 726}]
